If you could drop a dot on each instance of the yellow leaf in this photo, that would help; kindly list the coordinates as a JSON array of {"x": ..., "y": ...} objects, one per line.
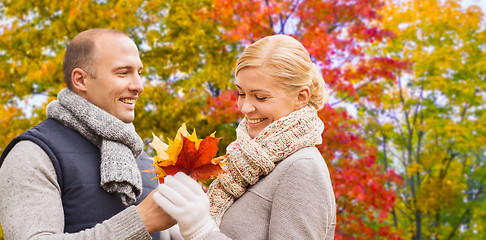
[
  {"x": 193, "y": 138},
  {"x": 159, "y": 172},
  {"x": 181, "y": 131},
  {"x": 160, "y": 147},
  {"x": 162, "y": 161},
  {"x": 174, "y": 149}
]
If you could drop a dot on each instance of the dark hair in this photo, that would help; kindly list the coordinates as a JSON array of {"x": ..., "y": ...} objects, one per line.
[{"x": 80, "y": 53}]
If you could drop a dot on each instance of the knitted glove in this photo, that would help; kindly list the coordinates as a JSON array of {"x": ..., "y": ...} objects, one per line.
[{"x": 182, "y": 198}]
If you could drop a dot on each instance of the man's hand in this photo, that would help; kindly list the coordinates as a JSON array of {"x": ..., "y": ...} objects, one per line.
[{"x": 153, "y": 216}]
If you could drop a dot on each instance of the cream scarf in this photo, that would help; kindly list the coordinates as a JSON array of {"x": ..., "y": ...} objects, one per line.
[
  {"x": 249, "y": 159},
  {"x": 118, "y": 142}
]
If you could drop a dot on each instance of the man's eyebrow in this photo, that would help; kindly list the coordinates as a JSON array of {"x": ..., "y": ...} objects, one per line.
[{"x": 122, "y": 68}]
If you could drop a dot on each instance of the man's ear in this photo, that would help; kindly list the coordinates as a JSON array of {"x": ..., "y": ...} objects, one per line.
[
  {"x": 78, "y": 79},
  {"x": 303, "y": 97}
]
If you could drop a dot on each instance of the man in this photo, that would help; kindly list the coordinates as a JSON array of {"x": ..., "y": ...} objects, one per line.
[{"x": 76, "y": 175}]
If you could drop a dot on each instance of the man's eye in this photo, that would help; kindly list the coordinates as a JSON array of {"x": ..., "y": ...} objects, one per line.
[{"x": 122, "y": 73}]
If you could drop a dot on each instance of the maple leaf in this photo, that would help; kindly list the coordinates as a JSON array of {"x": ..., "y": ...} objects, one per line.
[{"x": 188, "y": 154}]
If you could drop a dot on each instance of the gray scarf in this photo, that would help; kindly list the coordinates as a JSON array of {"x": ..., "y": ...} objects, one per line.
[{"x": 118, "y": 142}]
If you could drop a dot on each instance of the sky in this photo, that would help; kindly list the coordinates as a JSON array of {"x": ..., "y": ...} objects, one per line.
[{"x": 481, "y": 3}]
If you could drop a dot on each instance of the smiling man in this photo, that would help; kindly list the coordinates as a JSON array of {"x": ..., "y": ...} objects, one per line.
[
  {"x": 114, "y": 85},
  {"x": 77, "y": 175}
]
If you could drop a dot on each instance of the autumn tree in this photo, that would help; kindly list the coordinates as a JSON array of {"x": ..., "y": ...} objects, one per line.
[
  {"x": 185, "y": 60},
  {"x": 396, "y": 68},
  {"x": 335, "y": 33},
  {"x": 33, "y": 38},
  {"x": 430, "y": 122},
  {"x": 188, "y": 63}
]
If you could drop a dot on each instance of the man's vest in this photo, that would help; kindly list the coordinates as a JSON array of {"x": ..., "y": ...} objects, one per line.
[{"x": 77, "y": 164}]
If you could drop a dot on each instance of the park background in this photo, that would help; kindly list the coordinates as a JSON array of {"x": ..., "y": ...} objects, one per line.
[{"x": 405, "y": 135}]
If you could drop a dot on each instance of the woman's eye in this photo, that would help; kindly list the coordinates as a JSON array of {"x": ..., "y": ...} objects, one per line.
[
  {"x": 241, "y": 94},
  {"x": 260, "y": 98}
]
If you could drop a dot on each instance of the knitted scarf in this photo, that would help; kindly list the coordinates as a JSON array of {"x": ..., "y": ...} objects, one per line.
[
  {"x": 249, "y": 159},
  {"x": 118, "y": 142}
]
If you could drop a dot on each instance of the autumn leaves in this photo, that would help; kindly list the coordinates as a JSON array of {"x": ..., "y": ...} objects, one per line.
[{"x": 188, "y": 154}]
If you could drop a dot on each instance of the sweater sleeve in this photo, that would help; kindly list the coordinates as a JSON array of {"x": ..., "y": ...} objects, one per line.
[
  {"x": 304, "y": 205},
  {"x": 31, "y": 206}
]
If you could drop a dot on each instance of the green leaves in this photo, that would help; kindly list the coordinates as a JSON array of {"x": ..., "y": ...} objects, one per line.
[{"x": 434, "y": 111}]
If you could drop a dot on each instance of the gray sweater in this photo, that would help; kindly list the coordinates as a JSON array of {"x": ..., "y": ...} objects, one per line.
[
  {"x": 31, "y": 207},
  {"x": 295, "y": 201}
]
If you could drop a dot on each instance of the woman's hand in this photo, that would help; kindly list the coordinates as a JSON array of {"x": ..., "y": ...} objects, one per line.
[{"x": 183, "y": 198}]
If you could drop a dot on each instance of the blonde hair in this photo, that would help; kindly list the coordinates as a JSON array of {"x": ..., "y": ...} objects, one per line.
[{"x": 285, "y": 60}]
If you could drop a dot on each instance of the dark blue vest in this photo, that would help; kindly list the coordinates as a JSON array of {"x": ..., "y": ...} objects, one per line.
[{"x": 77, "y": 164}]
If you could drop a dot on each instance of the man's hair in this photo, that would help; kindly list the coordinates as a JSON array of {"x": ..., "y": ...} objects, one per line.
[{"x": 80, "y": 53}]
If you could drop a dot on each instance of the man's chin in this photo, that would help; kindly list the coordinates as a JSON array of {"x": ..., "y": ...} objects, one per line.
[{"x": 127, "y": 118}]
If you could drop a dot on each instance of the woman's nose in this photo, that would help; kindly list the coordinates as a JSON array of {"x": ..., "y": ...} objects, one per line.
[{"x": 247, "y": 107}]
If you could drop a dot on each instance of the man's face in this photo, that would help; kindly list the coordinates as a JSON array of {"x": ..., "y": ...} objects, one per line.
[{"x": 117, "y": 85}]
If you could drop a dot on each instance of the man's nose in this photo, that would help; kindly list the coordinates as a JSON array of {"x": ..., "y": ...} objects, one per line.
[{"x": 136, "y": 83}]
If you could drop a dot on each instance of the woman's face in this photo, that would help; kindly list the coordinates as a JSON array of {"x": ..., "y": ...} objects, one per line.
[{"x": 261, "y": 100}]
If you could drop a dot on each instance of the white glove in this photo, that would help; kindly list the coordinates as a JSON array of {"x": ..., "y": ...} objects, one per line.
[
  {"x": 175, "y": 233},
  {"x": 183, "y": 198}
]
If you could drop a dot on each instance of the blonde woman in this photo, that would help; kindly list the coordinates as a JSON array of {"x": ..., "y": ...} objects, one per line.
[{"x": 277, "y": 184}]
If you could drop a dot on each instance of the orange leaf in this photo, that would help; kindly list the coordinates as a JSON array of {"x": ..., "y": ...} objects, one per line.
[
  {"x": 197, "y": 163},
  {"x": 207, "y": 150}
]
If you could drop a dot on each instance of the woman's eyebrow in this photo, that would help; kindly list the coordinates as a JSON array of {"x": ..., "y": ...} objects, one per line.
[{"x": 254, "y": 90}]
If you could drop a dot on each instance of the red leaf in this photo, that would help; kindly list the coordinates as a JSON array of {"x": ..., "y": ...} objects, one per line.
[{"x": 197, "y": 163}]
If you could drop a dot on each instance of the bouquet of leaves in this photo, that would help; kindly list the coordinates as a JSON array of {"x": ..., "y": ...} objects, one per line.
[{"x": 186, "y": 153}]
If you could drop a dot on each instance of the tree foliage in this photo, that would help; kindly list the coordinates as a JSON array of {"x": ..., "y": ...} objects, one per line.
[
  {"x": 188, "y": 49},
  {"x": 188, "y": 63},
  {"x": 414, "y": 69},
  {"x": 430, "y": 122},
  {"x": 335, "y": 33},
  {"x": 33, "y": 38},
  {"x": 185, "y": 60}
]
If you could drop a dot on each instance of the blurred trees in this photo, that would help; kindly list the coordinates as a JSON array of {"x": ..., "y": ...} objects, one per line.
[
  {"x": 430, "y": 122},
  {"x": 185, "y": 59},
  {"x": 33, "y": 38},
  {"x": 335, "y": 34},
  {"x": 189, "y": 49},
  {"x": 414, "y": 70}
]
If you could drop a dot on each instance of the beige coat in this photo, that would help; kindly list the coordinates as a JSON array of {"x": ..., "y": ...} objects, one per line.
[{"x": 295, "y": 201}]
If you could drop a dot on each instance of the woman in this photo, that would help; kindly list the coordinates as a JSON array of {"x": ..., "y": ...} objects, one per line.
[{"x": 276, "y": 184}]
